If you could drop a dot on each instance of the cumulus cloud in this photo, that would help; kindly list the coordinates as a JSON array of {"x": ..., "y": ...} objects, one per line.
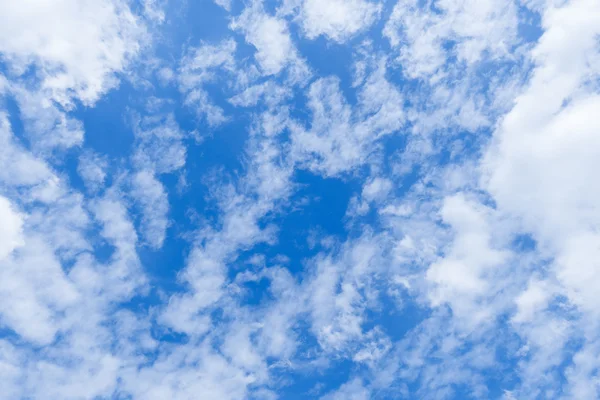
[{"x": 555, "y": 149}]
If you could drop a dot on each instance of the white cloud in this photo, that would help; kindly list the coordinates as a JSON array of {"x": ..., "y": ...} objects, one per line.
[
  {"x": 154, "y": 10},
  {"x": 60, "y": 53},
  {"x": 468, "y": 59},
  {"x": 226, "y": 4},
  {"x": 10, "y": 360},
  {"x": 124, "y": 276},
  {"x": 34, "y": 290},
  {"x": 46, "y": 125},
  {"x": 477, "y": 29},
  {"x": 337, "y": 19},
  {"x": 352, "y": 390},
  {"x": 331, "y": 145},
  {"x": 19, "y": 168},
  {"x": 200, "y": 99},
  {"x": 532, "y": 300},
  {"x": 270, "y": 36},
  {"x": 165, "y": 75},
  {"x": 541, "y": 165},
  {"x": 11, "y": 231},
  {"x": 555, "y": 154},
  {"x": 266, "y": 182},
  {"x": 69, "y": 264},
  {"x": 76, "y": 46},
  {"x": 340, "y": 289},
  {"x": 582, "y": 375},
  {"x": 376, "y": 189},
  {"x": 461, "y": 275},
  {"x": 269, "y": 92},
  {"x": 152, "y": 198},
  {"x": 202, "y": 65},
  {"x": 159, "y": 144},
  {"x": 578, "y": 269},
  {"x": 342, "y": 137},
  {"x": 92, "y": 169},
  {"x": 189, "y": 371}
]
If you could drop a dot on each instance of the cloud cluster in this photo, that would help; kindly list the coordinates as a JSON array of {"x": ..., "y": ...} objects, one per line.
[{"x": 349, "y": 199}]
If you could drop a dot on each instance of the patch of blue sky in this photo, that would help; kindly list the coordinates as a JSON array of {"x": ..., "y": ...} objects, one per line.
[{"x": 107, "y": 123}]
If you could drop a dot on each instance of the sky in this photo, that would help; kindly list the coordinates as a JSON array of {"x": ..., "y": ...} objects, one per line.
[{"x": 299, "y": 199}]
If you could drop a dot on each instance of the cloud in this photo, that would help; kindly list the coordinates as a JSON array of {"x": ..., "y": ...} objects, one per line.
[
  {"x": 34, "y": 282},
  {"x": 204, "y": 372},
  {"x": 271, "y": 38},
  {"x": 462, "y": 273},
  {"x": 46, "y": 125},
  {"x": 154, "y": 203},
  {"x": 269, "y": 35},
  {"x": 124, "y": 277},
  {"x": 92, "y": 169},
  {"x": 159, "y": 143},
  {"x": 467, "y": 57},
  {"x": 341, "y": 137},
  {"x": 376, "y": 189},
  {"x": 200, "y": 66},
  {"x": 76, "y": 47},
  {"x": 265, "y": 184},
  {"x": 226, "y": 4},
  {"x": 538, "y": 167},
  {"x": 11, "y": 231},
  {"x": 469, "y": 31},
  {"x": 413, "y": 217},
  {"x": 269, "y": 92},
  {"x": 19, "y": 167},
  {"x": 338, "y": 20},
  {"x": 353, "y": 390}
]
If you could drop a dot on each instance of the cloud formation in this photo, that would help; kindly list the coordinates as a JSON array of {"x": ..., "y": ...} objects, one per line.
[{"x": 350, "y": 199}]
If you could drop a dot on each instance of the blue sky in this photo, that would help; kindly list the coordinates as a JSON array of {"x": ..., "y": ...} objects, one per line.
[{"x": 299, "y": 199}]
